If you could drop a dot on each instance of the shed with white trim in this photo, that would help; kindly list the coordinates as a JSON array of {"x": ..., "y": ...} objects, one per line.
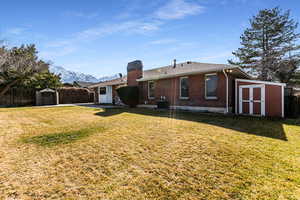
[{"x": 259, "y": 98}]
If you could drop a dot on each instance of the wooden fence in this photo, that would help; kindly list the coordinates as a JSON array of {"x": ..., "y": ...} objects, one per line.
[
  {"x": 70, "y": 95},
  {"x": 292, "y": 106},
  {"x": 18, "y": 97}
]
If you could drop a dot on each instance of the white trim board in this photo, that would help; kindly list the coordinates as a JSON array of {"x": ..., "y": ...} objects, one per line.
[{"x": 260, "y": 82}]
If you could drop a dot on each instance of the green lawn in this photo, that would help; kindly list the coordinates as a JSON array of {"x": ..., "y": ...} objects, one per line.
[{"x": 89, "y": 153}]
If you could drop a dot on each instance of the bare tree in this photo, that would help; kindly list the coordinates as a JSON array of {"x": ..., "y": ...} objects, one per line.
[{"x": 18, "y": 64}]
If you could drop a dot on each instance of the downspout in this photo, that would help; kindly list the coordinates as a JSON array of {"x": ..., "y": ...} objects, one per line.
[{"x": 226, "y": 90}]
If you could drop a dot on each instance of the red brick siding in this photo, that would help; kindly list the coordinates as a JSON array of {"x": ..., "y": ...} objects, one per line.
[
  {"x": 132, "y": 76},
  {"x": 231, "y": 91},
  {"x": 96, "y": 97},
  {"x": 114, "y": 91},
  {"x": 170, "y": 89}
]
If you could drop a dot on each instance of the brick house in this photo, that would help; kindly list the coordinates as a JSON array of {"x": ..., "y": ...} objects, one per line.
[
  {"x": 207, "y": 87},
  {"x": 202, "y": 87}
]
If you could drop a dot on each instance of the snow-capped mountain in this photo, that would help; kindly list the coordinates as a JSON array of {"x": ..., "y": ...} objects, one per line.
[{"x": 68, "y": 76}]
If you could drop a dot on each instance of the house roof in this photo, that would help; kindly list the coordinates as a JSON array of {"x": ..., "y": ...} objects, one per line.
[
  {"x": 189, "y": 68},
  {"x": 117, "y": 81},
  {"x": 83, "y": 83}
]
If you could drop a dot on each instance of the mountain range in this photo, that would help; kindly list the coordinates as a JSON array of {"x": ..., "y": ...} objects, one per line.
[{"x": 68, "y": 76}]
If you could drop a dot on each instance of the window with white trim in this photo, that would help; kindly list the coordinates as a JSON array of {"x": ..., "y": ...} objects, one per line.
[
  {"x": 151, "y": 89},
  {"x": 211, "y": 84},
  {"x": 184, "y": 88}
]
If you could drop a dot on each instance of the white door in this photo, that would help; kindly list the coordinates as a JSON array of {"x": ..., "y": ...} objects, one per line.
[
  {"x": 252, "y": 100},
  {"x": 105, "y": 94}
]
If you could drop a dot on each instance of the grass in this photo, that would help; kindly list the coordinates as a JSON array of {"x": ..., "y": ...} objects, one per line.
[
  {"x": 60, "y": 138},
  {"x": 88, "y": 153}
]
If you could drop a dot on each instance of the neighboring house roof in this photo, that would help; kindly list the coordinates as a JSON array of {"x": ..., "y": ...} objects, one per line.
[
  {"x": 189, "y": 68},
  {"x": 83, "y": 84},
  {"x": 117, "y": 81}
]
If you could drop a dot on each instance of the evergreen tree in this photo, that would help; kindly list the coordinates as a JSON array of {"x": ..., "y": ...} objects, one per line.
[
  {"x": 269, "y": 47},
  {"x": 42, "y": 81}
]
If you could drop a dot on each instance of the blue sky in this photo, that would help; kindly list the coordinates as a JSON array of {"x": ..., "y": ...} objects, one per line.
[{"x": 100, "y": 37}]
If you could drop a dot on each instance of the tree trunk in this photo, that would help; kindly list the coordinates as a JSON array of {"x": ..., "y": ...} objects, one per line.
[{"x": 7, "y": 87}]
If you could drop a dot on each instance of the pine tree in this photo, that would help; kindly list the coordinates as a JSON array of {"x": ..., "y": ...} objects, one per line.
[{"x": 269, "y": 47}]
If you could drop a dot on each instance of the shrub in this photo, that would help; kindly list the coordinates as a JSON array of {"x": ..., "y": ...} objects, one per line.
[{"x": 129, "y": 95}]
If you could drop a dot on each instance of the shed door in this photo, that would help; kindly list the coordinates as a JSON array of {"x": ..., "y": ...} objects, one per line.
[
  {"x": 105, "y": 94},
  {"x": 252, "y": 100}
]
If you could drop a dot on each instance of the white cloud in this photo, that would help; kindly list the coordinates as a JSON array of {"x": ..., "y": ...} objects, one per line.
[
  {"x": 139, "y": 27},
  {"x": 174, "y": 9},
  {"x": 129, "y": 27},
  {"x": 178, "y": 9},
  {"x": 50, "y": 54},
  {"x": 216, "y": 57},
  {"x": 70, "y": 45},
  {"x": 80, "y": 14},
  {"x": 163, "y": 41},
  {"x": 15, "y": 31}
]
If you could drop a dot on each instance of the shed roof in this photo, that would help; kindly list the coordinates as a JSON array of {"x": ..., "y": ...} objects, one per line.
[{"x": 47, "y": 90}]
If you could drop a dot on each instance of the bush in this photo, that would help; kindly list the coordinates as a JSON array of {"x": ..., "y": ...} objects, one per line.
[{"x": 129, "y": 95}]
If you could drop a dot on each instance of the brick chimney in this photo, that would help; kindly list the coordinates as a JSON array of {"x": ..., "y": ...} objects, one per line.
[{"x": 134, "y": 71}]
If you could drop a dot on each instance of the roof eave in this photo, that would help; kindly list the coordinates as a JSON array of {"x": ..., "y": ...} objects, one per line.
[
  {"x": 103, "y": 84},
  {"x": 189, "y": 73},
  {"x": 244, "y": 73}
]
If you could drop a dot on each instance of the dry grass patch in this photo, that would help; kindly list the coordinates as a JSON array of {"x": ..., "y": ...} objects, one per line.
[
  {"x": 145, "y": 154},
  {"x": 62, "y": 137}
]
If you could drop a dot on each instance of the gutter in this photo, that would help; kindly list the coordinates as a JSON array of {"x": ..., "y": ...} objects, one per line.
[
  {"x": 226, "y": 90},
  {"x": 166, "y": 76}
]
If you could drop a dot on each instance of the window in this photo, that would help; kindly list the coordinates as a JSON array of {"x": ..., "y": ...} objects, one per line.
[
  {"x": 211, "y": 83},
  {"x": 151, "y": 89},
  {"x": 184, "y": 88},
  {"x": 103, "y": 90}
]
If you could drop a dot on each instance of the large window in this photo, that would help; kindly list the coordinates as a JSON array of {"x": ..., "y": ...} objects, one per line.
[
  {"x": 184, "y": 88},
  {"x": 211, "y": 83},
  {"x": 151, "y": 89},
  {"x": 102, "y": 90}
]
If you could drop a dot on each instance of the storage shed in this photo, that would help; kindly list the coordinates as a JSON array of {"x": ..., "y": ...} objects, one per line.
[
  {"x": 259, "y": 98},
  {"x": 47, "y": 97}
]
